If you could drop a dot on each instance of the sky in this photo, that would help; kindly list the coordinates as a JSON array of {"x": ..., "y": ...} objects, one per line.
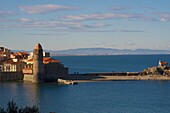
[{"x": 70, "y": 24}]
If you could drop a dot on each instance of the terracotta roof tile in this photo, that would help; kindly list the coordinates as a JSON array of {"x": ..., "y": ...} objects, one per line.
[{"x": 46, "y": 60}]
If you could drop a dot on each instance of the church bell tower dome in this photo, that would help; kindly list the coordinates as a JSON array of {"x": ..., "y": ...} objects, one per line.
[{"x": 38, "y": 46}]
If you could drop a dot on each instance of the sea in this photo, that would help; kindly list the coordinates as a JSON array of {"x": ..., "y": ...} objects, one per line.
[{"x": 95, "y": 97}]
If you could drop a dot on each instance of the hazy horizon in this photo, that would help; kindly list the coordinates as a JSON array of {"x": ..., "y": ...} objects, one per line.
[{"x": 63, "y": 24}]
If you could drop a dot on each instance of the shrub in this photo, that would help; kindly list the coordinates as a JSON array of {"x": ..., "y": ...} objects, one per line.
[{"x": 12, "y": 107}]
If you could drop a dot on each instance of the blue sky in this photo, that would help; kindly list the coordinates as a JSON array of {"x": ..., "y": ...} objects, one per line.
[{"x": 68, "y": 24}]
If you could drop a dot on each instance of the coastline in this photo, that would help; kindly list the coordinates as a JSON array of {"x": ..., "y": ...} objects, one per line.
[{"x": 86, "y": 78}]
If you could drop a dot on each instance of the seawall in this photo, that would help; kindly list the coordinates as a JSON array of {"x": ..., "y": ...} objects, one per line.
[{"x": 11, "y": 76}]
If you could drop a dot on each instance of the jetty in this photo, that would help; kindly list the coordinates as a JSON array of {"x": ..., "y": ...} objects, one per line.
[{"x": 115, "y": 76}]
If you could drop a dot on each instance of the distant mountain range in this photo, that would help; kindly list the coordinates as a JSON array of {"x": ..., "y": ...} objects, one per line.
[
  {"x": 108, "y": 51},
  {"x": 104, "y": 51}
]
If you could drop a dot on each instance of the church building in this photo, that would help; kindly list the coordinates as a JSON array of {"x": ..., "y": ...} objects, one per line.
[{"x": 43, "y": 69}]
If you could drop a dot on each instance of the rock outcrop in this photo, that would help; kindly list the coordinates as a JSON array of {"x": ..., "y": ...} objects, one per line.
[{"x": 160, "y": 70}]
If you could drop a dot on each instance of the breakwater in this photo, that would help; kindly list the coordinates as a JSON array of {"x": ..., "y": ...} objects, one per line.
[{"x": 114, "y": 74}]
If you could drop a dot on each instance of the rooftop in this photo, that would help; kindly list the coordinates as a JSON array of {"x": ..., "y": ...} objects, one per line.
[
  {"x": 23, "y": 53},
  {"x": 46, "y": 60}
]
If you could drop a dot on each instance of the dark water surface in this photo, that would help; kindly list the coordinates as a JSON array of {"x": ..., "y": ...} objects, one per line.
[{"x": 96, "y": 97}]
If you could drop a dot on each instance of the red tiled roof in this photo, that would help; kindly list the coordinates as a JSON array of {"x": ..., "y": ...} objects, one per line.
[
  {"x": 164, "y": 63},
  {"x": 22, "y": 53},
  {"x": 45, "y": 60},
  {"x": 30, "y": 60},
  {"x": 50, "y": 60},
  {"x": 15, "y": 54}
]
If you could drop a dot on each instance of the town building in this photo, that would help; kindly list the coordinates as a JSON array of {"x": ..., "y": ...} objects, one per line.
[
  {"x": 4, "y": 54},
  {"x": 1, "y": 67},
  {"x": 19, "y": 56},
  {"x": 11, "y": 66}
]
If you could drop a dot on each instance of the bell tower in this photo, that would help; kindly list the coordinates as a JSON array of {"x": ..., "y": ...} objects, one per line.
[{"x": 38, "y": 66}]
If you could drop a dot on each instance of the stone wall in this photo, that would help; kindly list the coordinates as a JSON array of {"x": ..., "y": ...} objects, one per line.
[
  {"x": 28, "y": 77},
  {"x": 11, "y": 76}
]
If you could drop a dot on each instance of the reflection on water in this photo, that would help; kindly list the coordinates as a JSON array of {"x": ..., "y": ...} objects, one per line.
[
  {"x": 22, "y": 93},
  {"x": 42, "y": 94},
  {"x": 31, "y": 93}
]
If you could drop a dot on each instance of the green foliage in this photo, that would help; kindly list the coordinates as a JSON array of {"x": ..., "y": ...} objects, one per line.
[{"x": 12, "y": 107}]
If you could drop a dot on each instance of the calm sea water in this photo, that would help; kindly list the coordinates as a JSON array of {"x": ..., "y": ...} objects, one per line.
[
  {"x": 117, "y": 63},
  {"x": 95, "y": 97}
]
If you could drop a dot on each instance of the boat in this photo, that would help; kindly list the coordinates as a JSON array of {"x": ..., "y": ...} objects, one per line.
[{"x": 66, "y": 82}]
